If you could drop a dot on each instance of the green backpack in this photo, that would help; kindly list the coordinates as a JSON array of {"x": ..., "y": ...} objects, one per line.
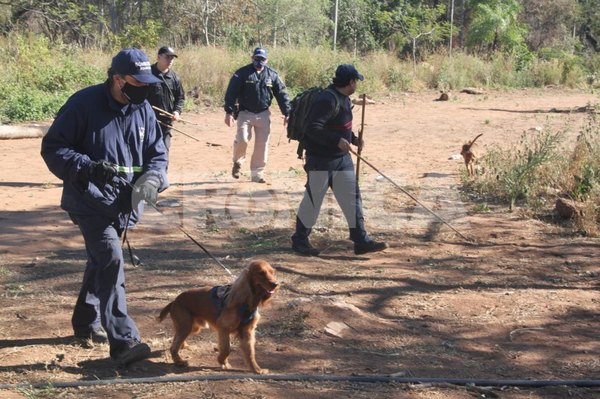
[{"x": 298, "y": 116}]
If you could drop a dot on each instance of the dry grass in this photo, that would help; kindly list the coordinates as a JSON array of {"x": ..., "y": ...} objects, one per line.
[{"x": 539, "y": 168}]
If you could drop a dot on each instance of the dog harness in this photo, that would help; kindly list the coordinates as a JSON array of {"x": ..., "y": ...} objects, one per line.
[{"x": 219, "y": 295}]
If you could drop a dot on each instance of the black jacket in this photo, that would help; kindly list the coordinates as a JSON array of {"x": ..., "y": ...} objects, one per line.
[
  {"x": 167, "y": 95},
  {"x": 93, "y": 126},
  {"x": 325, "y": 128},
  {"x": 254, "y": 92}
]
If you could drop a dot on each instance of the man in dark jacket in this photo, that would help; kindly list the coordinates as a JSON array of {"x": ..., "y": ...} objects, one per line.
[
  {"x": 168, "y": 93},
  {"x": 248, "y": 98},
  {"x": 329, "y": 164},
  {"x": 105, "y": 145}
]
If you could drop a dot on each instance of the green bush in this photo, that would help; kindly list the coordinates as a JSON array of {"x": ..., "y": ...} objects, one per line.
[
  {"x": 557, "y": 67},
  {"x": 581, "y": 181},
  {"x": 40, "y": 77},
  {"x": 144, "y": 35},
  {"x": 584, "y": 182},
  {"x": 33, "y": 105},
  {"x": 36, "y": 68},
  {"x": 206, "y": 71},
  {"x": 544, "y": 73},
  {"x": 538, "y": 169},
  {"x": 304, "y": 67},
  {"x": 506, "y": 72},
  {"x": 460, "y": 71},
  {"x": 525, "y": 171},
  {"x": 584, "y": 164},
  {"x": 593, "y": 65},
  {"x": 383, "y": 72},
  {"x": 300, "y": 68},
  {"x": 574, "y": 74}
]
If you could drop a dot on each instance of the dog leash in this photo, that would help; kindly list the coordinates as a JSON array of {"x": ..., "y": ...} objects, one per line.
[
  {"x": 188, "y": 235},
  {"x": 135, "y": 261},
  {"x": 412, "y": 197}
]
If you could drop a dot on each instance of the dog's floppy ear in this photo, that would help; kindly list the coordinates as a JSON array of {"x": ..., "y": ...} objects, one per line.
[{"x": 240, "y": 289}]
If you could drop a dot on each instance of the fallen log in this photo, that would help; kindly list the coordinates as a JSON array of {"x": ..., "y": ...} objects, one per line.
[{"x": 8, "y": 132}]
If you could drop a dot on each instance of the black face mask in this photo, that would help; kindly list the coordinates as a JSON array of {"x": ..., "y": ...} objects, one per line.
[
  {"x": 135, "y": 94},
  {"x": 259, "y": 63}
]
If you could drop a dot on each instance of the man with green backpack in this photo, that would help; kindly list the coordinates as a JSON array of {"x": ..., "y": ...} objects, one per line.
[{"x": 326, "y": 140}]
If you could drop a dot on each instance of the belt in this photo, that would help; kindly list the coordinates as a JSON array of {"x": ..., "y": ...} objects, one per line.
[{"x": 257, "y": 112}]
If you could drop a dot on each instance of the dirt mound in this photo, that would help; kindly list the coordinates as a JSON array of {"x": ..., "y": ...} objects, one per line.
[{"x": 337, "y": 318}]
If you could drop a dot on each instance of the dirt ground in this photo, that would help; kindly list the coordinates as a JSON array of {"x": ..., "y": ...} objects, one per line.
[{"x": 520, "y": 304}]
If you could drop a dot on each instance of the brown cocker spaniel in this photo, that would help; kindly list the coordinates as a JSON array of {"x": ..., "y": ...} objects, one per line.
[{"x": 228, "y": 309}]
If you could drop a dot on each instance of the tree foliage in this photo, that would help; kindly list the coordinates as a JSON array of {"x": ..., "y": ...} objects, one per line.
[
  {"x": 422, "y": 23},
  {"x": 290, "y": 22},
  {"x": 589, "y": 28},
  {"x": 408, "y": 27},
  {"x": 496, "y": 26},
  {"x": 355, "y": 25},
  {"x": 551, "y": 23}
]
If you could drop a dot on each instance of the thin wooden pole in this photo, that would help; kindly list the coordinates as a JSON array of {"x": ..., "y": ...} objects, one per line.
[
  {"x": 360, "y": 136},
  {"x": 414, "y": 199}
]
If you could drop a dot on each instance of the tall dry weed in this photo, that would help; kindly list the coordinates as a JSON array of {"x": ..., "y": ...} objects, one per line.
[
  {"x": 582, "y": 180},
  {"x": 526, "y": 172},
  {"x": 538, "y": 169}
]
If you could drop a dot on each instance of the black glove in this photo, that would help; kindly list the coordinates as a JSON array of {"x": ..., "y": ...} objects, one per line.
[
  {"x": 148, "y": 188},
  {"x": 102, "y": 172}
]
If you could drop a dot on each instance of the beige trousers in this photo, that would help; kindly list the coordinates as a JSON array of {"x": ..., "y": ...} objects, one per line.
[{"x": 247, "y": 124}]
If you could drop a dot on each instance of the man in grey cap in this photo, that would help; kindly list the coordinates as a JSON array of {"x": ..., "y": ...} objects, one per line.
[
  {"x": 168, "y": 94},
  {"x": 248, "y": 98},
  {"x": 328, "y": 164},
  {"x": 105, "y": 146}
]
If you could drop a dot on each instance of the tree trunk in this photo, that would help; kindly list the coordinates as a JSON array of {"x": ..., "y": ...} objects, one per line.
[
  {"x": 495, "y": 42},
  {"x": 113, "y": 14},
  {"x": 414, "y": 55},
  {"x": 335, "y": 25},
  {"x": 451, "y": 27},
  {"x": 205, "y": 21},
  {"x": 275, "y": 25},
  {"x": 463, "y": 17}
]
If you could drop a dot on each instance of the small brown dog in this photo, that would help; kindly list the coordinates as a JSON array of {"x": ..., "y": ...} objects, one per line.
[
  {"x": 228, "y": 309},
  {"x": 469, "y": 155}
]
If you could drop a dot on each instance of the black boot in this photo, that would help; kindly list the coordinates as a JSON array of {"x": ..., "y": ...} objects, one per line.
[
  {"x": 369, "y": 246},
  {"x": 304, "y": 248}
]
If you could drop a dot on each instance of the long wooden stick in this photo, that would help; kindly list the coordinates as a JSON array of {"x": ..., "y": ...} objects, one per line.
[
  {"x": 360, "y": 136},
  {"x": 177, "y": 130},
  {"x": 162, "y": 111},
  {"x": 412, "y": 197}
]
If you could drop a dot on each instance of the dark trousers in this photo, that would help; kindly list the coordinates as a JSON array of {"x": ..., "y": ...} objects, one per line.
[
  {"x": 102, "y": 298},
  {"x": 167, "y": 137},
  {"x": 337, "y": 173}
]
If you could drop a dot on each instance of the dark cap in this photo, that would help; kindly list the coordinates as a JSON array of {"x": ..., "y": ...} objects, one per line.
[
  {"x": 166, "y": 50},
  {"x": 259, "y": 52},
  {"x": 347, "y": 72},
  {"x": 134, "y": 62}
]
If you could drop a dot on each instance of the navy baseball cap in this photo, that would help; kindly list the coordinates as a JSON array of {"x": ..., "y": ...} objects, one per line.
[
  {"x": 167, "y": 50},
  {"x": 259, "y": 52},
  {"x": 346, "y": 72},
  {"x": 134, "y": 62}
]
